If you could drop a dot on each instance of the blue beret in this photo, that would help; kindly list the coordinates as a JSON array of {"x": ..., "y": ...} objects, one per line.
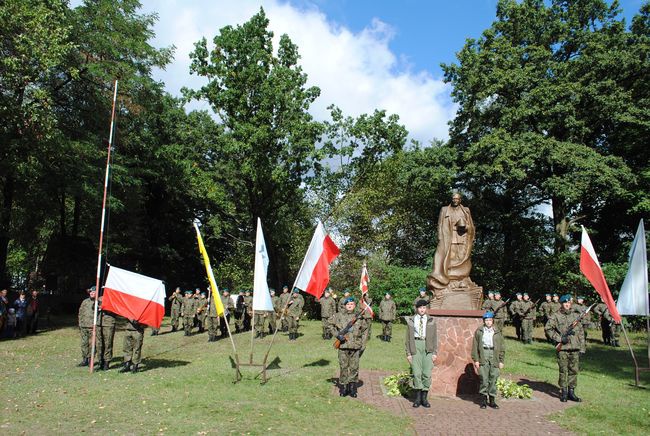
[
  {"x": 296, "y": 290},
  {"x": 349, "y": 300},
  {"x": 490, "y": 292},
  {"x": 565, "y": 298},
  {"x": 518, "y": 293},
  {"x": 497, "y": 293},
  {"x": 488, "y": 314},
  {"x": 580, "y": 297},
  {"x": 423, "y": 289},
  {"x": 92, "y": 288},
  {"x": 525, "y": 294},
  {"x": 188, "y": 292},
  {"x": 555, "y": 294},
  {"x": 547, "y": 295},
  {"x": 203, "y": 294}
]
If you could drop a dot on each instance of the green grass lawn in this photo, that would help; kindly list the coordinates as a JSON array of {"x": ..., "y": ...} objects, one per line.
[{"x": 187, "y": 387}]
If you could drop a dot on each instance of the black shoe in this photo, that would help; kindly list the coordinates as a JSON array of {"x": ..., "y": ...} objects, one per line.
[
  {"x": 100, "y": 365},
  {"x": 134, "y": 368},
  {"x": 84, "y": 362},
  {"x": 616, "y": 344},
  {"x": 106, "y": 365},
  {"x": 563, "y": 395},
  {"x": 418, "y": 398},
  {"x": 493, "y": 402},
  {"x": 572, "y": 396},
  {"x": 424, "y": 399},
  {"x": 388, "y": 338},
  {"x": 352, "y": 389},
  {"x": 173, "y": 329},
  {"x": 343, "y": 390},
  {"x": 126, "y": 367},
  {"x": 484, "y": 403}
]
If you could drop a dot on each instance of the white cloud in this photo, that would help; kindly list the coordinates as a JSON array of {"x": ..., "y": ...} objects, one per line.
[{"x": 356, "y": 71}]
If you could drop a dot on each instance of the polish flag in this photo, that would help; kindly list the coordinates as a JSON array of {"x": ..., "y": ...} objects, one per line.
[
  {"x": 590, "y": 267},
  {"x": 314, "y": 274},
  {"x": 134, "y": 296},
  {"x": 363, "y": 286}
]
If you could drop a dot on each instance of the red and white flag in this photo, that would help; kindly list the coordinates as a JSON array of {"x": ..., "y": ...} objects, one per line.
[
  {"x": 314, "y": 274},
  {"x": 590, "y": 267},
  {"x": 134, "y": 296},
  {"x": 363, "y": 286}
]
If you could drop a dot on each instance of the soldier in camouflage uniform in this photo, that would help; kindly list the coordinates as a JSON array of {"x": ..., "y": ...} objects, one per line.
[
  {"x": 327, "y": 309},
  {"x": 554, "y": 306},
  {"x": 527, "y": 314},
  {"x": 488, "y": 303},
  {"x": 294, "y": 312},
  {"x": 284, "y": 298},
  {"x": 422, "y": 295},
  {"x": 212, "y": 318},
  {"x": 580, "y": 307},
  {"x": 515, "y": 310},
  {"x": 201, "y": 311},
  {"x": 105, "y": 339},
  {"x": 367, "y": 315},
  {"x": 341, "y": 305},
  {"x": 188, "y": 310},
  {"x": 176, "y": 301},
  {"x": 248, "y": 310},
  {"x": 239, "y": 312},
  {"x": 133, "y": 338},
  {"x": 273, "y": 316},
  {"x": 86, "y": 318},
  {"x": 387, "y": 314},
  {"x": 350, "y": 348},
  {"x": 572, "y": 339},
  {"x": 228, "y": 307},
  {"x": 607, "y": 325},
  {"x": 500, "y": 311}
]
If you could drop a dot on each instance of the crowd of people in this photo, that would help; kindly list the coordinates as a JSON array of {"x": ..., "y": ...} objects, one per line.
[{"x": 20, "y": 317}]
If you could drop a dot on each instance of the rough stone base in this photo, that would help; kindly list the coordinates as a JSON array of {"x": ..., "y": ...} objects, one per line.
[
  {"x": 453, "y": 373},
  {"x": 458, "y": 295}
]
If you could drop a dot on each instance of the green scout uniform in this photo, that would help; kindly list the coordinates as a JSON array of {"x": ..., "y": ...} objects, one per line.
[
  {"x": 107, "y": 334},
  {"x": 515, "y": 310},
  {"x": 294, "y": 312},
  {"x": 327, "y": 309},
  {"x": 176, "y": 301},
  {"x": 421, "y": 343},
  {"x": 86, "y": 317},
  {"x": 133, "y": 337},
  {"x": 527, "y": 314},
  {"x": 568, "y": 358},
  {"x": 188, "y": 310},
  {"x": 248, "y": 311},
  {"x": 284, "y": 297},
  {"x": 387, "y": 314},
  {"x": 488, "y": 356},
  {"x": 500, "y": 314},
  {"x": 212, "y": 321},
  {"x": 350, "y": 349}
]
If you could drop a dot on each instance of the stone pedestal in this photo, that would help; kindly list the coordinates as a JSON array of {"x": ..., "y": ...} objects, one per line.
[
  {"x": 458, "y": 294},
  {"x": 453, "y": 373}
]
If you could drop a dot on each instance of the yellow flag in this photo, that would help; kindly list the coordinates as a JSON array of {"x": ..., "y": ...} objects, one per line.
[{"x": 208, "y": 269}]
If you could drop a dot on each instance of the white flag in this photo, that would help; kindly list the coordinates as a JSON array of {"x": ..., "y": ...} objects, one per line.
[
  {"x": 633, "y": 299},
  {"x": 261, "y": 296}
]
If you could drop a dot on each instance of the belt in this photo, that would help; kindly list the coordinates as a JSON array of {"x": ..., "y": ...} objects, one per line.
[
  {"x": 488, "y": 348},
  {"x": 419, "y": 339}
]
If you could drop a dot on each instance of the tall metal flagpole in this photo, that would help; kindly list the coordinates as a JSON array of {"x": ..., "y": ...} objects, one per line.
[{"x": 101, "y": 229}]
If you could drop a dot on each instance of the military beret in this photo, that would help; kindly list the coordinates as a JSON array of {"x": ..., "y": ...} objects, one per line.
[
  {"x": 490, "y": 292},
  {"x": 518, "y": 294},
  {"x": 296, "y": 290},
  {"x": 565, "y": 298},
  {"x": 225, "y": 290},
  {"x": 555, "y": 294},
  {"x": 349, "y": 300},
  {"x": 92, "y": 288},
  {"x": 285, "y": 287},
  {"x": 525, "y": 294},
  {"x": 547, "y": 295},
  {"x": 580, "y": 297},
  {"x": 421, "y": 303},
  {"x": 387, "y": 293},
  {"x": 497, "y": 293},
  {"x": 188, "y": 292},
  {"x": 203, "y": 294},
  {"x": 488, "y": 314},
  {"x": 422, "y": 289}
]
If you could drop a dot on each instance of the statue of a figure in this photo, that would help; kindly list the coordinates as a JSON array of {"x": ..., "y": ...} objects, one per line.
[{"x": 452, "y": 262}]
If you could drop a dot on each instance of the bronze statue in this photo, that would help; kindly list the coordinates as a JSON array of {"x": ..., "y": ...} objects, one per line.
[{"x": 452, "y": 262}]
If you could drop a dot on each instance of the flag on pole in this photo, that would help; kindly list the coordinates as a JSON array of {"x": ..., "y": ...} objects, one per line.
[
  {"x": 261, "y": 295},
  {"x": 314, "y": 274},
  {"x": 590, "y": 267},
  {"x": 363, "y": 286},
  {"x": 218, "y": 305},
  {"x": 633, "y": 299},
  {"x": 134, "y": 296}
]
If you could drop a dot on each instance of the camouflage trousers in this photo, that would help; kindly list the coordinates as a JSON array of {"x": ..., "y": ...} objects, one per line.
[
  {"x": 488, "y": 373},
  {"x": 176, "y": 316},
  {"x": 213, "y": 325},
  {"x": 349, "y": 365},
  {"x": 569, "y": 366},
  {"x": 326, "y": 327},
  {"x": 188, "y": 323},
  {"x": 527, "y": 330},
  {"x": 239, "y": 321},
  {"x": 105, "y": 343},
  {"x": 387, "y": 328},
  {"x": 500, "y": 323},
  {"x": 86, "y": 338},
  {"x": 133, "y": 346},
  {"x": 293, "y": 324},
  {"x": 271, "y": 322}
]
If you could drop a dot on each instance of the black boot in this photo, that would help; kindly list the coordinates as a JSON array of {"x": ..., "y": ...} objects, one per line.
[
  {"x": 388, "y": 338},
  {"x": 84, "y": 362},
  {"x": 100, "y": 365},
  {"x": 572, "y": 396},
  {"x": 105, "y": 365},
  {"x": 352, "y": 389},
  {"x": 343, "y": 390},
  {"x": 173, "y": 329},
  {"x": 134, "y": 368},
  {"x": 418, "y": 398},
  {"x": 493, "y": 402},
  {"x": 616, "y": 343},
  {"x": 484, "y": 402},
  {"x": 563, "y": 395},
  {"x": 126, "y": 367},
  {"x": 423, "y": 398}
]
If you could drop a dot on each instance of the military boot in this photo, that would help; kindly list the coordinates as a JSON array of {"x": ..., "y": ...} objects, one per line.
[
  {"x": 343, "y": 390},
  {"x": 572, "y": 396},
  {"x": 615, "y": 342},
  {"x": 352, "y": 389},
  {"x": 100, "y": 365},
  {"x": 134, "y": 368},
  {"x": 423, "y": 398},
  {"x": 388, "y": 338},
  {"x": 84, "y": 362},
  {"x": 493, "y": 402},
  {"x": 484, "y": 402},
  {"x": 418, "y": 398},
  {"x": 106, "y": 365},
  {"x": 563, "y": 395},
  {"x": 173, "y": 329},
  {"x": 126, "y": 367}
]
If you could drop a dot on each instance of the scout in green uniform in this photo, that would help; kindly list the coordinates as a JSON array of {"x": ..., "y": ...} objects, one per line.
[
  {"x": 176, "y": 301},
  {"x": 421, "y": 350},
  {"x": 86, "y": 317},
  {"x": 527, "y": 314},
  {"x": 341, "y": 306},
  {"x": 387, "y": 314},
  {"x": 515, "y": 310},
  {"x": 422, "y": 295},
  {"x": 106, "y": 330},
  {"x": 133, "y": 338},
  {"x": 294, "y": 312},
  {"x": 201, "y": 311},
  {"x": 350, "y": 348},
  {"x": 212, "y": 318},
  {"x": 559, "y": 330},
  {"x": 327, "y": 309},
  {"x": 488, "y": 303},
  {"x": 188, "y": 310},
  {"x": 500, "y": 311},
  {"x": 488, "y": 354}
]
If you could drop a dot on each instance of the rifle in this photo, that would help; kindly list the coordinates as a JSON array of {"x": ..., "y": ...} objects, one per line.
[
  {"x": 503, "y": 304},
  {"x": 340, "y": 337},
  {"x": 530, "y": 308},
  {"x": 569, "y": 331}
]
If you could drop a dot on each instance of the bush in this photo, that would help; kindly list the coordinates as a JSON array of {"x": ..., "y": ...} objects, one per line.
[
  {"x": 398, "y": 384},
  {"x": 509, "y": 389}
]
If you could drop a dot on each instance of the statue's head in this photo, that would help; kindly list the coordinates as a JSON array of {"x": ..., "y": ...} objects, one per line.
[{"x": 456, "y": 199}]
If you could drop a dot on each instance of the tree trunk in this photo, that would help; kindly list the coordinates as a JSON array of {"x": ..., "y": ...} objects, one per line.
[
  {"x": 62, "y": 214},
  {"x": 561, "y": 223},
  {"x": 5, "y": 225},
  {"x": 76, "y": 215}
]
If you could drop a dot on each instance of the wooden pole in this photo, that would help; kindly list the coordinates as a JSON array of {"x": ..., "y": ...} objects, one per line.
[
  {"x": 636, "y": 365},
  {"x": 101, "y": 229}
]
